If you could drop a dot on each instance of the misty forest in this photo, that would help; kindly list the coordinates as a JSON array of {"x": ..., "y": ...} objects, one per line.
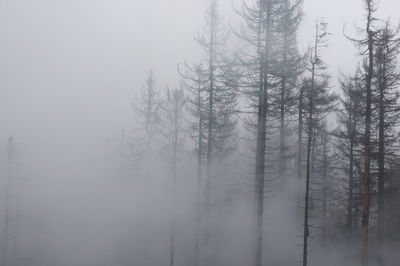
[{"x": 201, "y": 133}]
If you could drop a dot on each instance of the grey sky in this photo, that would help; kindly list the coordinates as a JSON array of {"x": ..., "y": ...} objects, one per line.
[{"x": 69, "y": 69}]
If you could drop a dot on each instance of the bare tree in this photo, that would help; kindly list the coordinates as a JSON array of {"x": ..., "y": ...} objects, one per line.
[
  {"x": 367, "y": 46},
  {"x": 173, "y": 107},
  {"x": 195, "y": 83},
  {"x": 288, "y": 66},
  {"x": 350, "y": 118},
  {"x": 318, "y": 103},
  {"x": 147, "y": 109}
]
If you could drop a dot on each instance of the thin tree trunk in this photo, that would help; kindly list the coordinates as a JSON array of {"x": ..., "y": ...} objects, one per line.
[
  {"x": 324, "y": 187},
  {"x": 306, "y": 232},
  {"x": 381, "y": 153},
  {"x": 198, "y": 184},
  {"x": 367, "y": 148},
  {"x": 300, "y": 135},
  {"x": 282, "y": 155},
  {"x": 381, "y": 160},
  {"x": 352, "y": 129},
  {"x": 175, "y": 163},
  {"x": 210, "y": 143},
  {"x": 261, "y": 132}
]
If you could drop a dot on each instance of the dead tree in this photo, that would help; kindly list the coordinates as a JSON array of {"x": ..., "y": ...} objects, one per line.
[
  {"x": 173, "y": 107},
  {"x": 194, "y": 81},
  {"x": 319, "y": 101}
]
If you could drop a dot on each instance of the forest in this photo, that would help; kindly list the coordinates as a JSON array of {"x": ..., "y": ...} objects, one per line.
[{"x": 258, "y": 153}]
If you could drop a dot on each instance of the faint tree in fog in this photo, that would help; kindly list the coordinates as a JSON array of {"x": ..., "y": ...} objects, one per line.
[
  {"x": 326, "y": 170},
  {"x": 270, "y": 68},
  {"x": 256, "y": 60},
  {"x": 10, "y": 215},
  {"x": 195, "y": 83},
  {"x": 300, "y": 129},
  {"x": 173, "y": 107},
  {"x": 221, "y": 99},
  {"x": 148, "y": 113}
]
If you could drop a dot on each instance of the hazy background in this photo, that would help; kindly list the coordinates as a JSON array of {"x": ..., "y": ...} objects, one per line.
[{"x": 69, "y": 71}]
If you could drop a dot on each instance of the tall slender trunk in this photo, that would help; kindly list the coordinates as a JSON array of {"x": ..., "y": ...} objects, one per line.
[
  {"x": 306, "y": 232},
  {"x": 352, "y": 132},
  {"x": 210, "y": 129},
  {"x": 261, "y": 131},
  {"x": 198, "y": 181},
  {"x": 367, "y": 147},
  {"x": 381, "y": 152},
  {"x": 175, "y": 171},
  {"x": 324, "y": 186},
  {"x": 300, "y": 135},
  {"x": 210, "y": 143},
  {"x": 282, "y": 149},
  {"x": 381, "y": 160},
  {"x": 282, "y": 155}
]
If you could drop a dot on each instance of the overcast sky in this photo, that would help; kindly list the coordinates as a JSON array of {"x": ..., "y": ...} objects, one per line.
[{"x": 69, "y": 69}]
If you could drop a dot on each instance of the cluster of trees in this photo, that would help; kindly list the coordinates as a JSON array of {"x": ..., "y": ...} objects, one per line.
[{"x": 273, "y": 111}]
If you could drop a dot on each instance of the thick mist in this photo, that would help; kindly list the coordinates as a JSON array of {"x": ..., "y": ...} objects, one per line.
[{"x": 71, "y": 72}]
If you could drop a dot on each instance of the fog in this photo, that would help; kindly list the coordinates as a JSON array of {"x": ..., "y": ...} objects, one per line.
[{"x": 70, "y": 73}]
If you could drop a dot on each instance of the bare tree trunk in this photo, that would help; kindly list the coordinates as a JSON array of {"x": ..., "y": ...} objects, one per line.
[
  {"x": 210, "y": 143},
  {"x": 198, "y": 184},
  {"x": 261, "y": 133},
  {"x": 282, "y": 155},
  {"x": 173, "y": 200},
  {"x": 350, "y": 200},
  {"x": 381, "y": 154},
  {"x": 306, "y": 232},
  {"x": 367, "y": 144},
  {"x": 300, "y": 135},
  {"x": 324, "y": 186},
  {"x": 381, "y": 160}
]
